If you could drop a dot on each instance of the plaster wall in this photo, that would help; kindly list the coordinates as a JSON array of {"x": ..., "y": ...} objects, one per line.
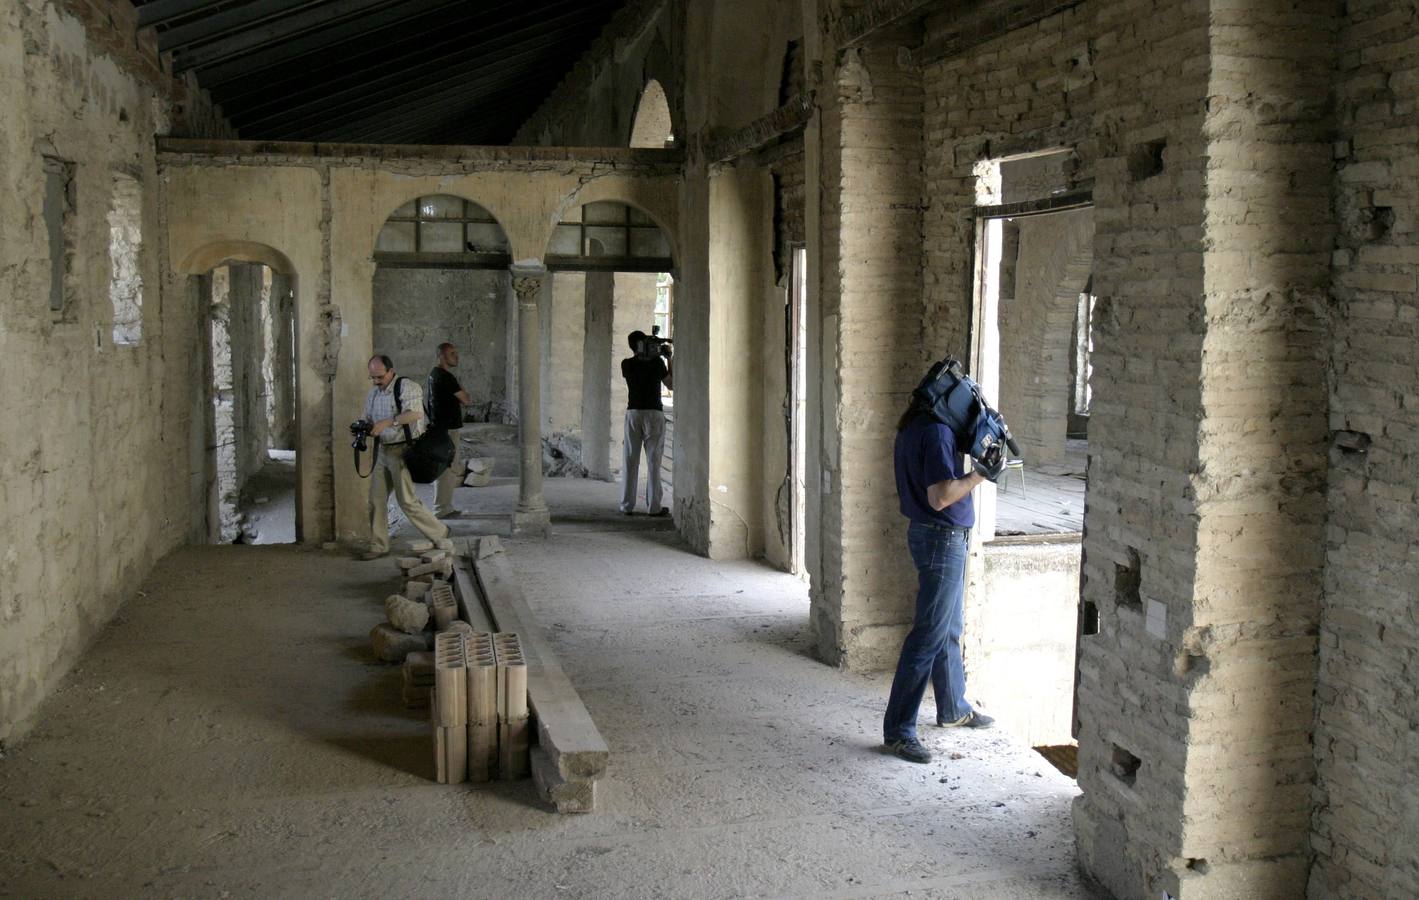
[
  {"x": 415, "y": 310},
  {"x": 97, "y": 486},
  {"x": 563, "y": 367},
  {"x": 249, "y": 213}
]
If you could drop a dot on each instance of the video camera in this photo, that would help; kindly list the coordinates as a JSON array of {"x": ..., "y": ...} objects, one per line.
[
  {"x": 652, "y": 345},
  {"x": 360, "y": 432},
  {"x": 956, "y": 401}
]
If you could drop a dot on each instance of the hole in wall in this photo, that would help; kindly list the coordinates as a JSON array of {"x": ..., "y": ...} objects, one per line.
[
  {"x": 1146, "y": 160},
  {"x": 1124, "y": 765},
  {"x": 1198, "y": 865},
  {"x": 1127, "y": 580},
  {"x": 1090, "y": 624}
]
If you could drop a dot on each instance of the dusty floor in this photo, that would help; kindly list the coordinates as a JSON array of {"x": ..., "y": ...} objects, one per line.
[{"x": 230, "y": 736}]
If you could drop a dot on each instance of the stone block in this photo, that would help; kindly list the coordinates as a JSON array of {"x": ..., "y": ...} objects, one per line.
[
  {"x": 407, "y": 563},
  {"x": 416, "y": 590},
  {"x": 389, "y": 644},
  {"x": 568, "y": 795},
  {"x": 409, "y": 616},
  {"x": 420, "y": 546}
]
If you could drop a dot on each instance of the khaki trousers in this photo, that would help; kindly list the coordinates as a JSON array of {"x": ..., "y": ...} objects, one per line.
[
  {"x": 391, "y": 475},
  {"x": 443, "y": 493}
]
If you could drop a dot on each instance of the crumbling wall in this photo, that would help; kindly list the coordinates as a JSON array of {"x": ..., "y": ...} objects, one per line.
[
  {"x": 1200, "y": 557},
  {"x": 595, "y": 104},
  {"x": 415, "y": 310},
  {"x": 97, "y": 483},
  {"x": 1366, "y": 710}
]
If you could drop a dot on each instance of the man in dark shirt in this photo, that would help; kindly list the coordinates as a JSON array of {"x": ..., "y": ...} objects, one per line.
[
  {"x": 934, "y": 489},
  {"x": 645, "y": 372},
  {"x": 446, "y": 401}
]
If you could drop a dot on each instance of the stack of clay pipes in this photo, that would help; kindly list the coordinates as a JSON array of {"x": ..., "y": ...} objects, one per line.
[{"x": 479, "y": 707}]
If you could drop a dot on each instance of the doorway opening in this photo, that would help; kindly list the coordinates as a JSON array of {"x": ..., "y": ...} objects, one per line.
[
  {"x": 798, "y": 411},
  {"x": 251, "y": 380},
  {"x": 1030, "y": 352}
]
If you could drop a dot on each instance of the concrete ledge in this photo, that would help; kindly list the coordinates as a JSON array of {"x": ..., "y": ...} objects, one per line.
[{"x": 570, "y": 753}]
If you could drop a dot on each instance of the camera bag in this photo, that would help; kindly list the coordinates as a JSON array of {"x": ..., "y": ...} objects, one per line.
[{"x": 430, "y": 454}]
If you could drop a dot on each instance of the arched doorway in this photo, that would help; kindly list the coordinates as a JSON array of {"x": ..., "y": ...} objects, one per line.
[
  {"x": 246, "y": 458},
  {"x": 442, "y": 277},
  {"x": 612, "y": 270}
]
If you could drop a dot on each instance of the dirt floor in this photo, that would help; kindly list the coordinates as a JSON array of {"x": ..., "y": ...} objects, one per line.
[{"x": 230, "y": 736}]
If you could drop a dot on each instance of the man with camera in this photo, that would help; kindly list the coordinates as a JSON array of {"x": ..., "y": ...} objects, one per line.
[
  {"x": 394, "y": 426},
  {"x": 934, "y": 490},
  {"x": 645, "y": 371},
  {"x": 446, "y": 401}
]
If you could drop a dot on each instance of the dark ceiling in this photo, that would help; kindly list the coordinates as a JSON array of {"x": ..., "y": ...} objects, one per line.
[{"x": 380, "y": 71}]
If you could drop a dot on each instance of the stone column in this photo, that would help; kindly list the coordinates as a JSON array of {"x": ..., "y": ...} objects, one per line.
[{"x": 532, "y": 515}]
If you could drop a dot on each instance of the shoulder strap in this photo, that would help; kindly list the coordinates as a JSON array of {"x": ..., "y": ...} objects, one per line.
[{"x": 399, "y": 408}]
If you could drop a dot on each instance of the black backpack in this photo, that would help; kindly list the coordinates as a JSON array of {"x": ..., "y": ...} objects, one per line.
[{"x": 427, "y": 457}]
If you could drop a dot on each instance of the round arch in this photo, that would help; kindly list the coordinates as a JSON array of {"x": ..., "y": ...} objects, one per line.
[
  {"x": 481, "y": 226},
  {"x": 209, "y": 256},
  {"x": 601, "y": 192}
]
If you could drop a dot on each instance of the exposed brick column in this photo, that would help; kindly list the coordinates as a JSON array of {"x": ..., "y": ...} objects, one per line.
[
  {"x": 873, "y": 352},
  {"x": 1205, "y": 519},
  {"x": 532, "y": 515}
]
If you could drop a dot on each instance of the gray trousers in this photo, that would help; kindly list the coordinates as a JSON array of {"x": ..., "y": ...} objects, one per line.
[{"x": 644, "y": 427}]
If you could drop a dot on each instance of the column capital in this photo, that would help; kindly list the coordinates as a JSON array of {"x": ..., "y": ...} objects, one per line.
[{"x": 527, "y": 281}]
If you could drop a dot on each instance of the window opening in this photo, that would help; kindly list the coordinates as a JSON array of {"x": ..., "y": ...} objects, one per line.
[
  {"x": 59, "y": 205},
  {"x": 125, "y": 241}
]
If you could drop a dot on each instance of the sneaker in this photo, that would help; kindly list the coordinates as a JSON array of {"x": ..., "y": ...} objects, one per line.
[
  {"x": 972, "y": 719},
  {"x": 444, "y": 544},
  {"x": 625, "y": 512},
  {"x": 451, "y": 514},
  {"x": 661, "y": 513},
  {"x": 909, "y": 749},
  {"x": 371, "y": 553}
]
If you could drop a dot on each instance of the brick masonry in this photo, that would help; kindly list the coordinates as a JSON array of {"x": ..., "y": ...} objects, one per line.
[{"x": 1367, "y": 704}]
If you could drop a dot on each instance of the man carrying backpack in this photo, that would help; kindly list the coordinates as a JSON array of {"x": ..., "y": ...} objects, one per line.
[{"x": 397, "y": 423}]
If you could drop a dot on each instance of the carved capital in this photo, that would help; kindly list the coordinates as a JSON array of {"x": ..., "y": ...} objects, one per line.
[{"x": 527, "y": 287}]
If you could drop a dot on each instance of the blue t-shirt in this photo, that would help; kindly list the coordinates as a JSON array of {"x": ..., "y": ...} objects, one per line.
[{"x": 925, "y": 454}]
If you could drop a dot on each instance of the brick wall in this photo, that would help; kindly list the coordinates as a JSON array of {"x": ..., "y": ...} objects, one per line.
[
  {"x": 1367, "y": 704},
  {"x": 871, "y": 306}
]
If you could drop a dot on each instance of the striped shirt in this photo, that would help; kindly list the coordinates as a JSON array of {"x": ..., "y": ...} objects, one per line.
[{"x": 379, "y": 405}]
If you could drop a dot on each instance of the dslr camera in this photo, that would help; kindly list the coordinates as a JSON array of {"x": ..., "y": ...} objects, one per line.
[{"x": 360, "y": 433}]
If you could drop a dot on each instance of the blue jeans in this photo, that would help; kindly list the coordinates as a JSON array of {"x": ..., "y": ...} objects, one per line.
[{"x": 932, "y": 649}]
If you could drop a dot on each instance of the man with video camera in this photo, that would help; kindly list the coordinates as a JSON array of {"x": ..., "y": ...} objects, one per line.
[
  {"x": 645, "y": 371},
  {"x": 934, "y": 489},
  {"x": 394, "y": 426}
]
